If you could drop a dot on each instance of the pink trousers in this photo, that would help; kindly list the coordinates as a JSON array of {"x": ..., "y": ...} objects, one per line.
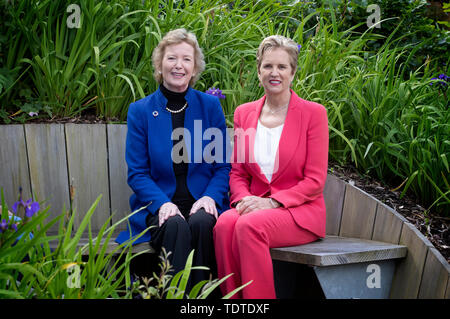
[{"x": 242, "y": 246}]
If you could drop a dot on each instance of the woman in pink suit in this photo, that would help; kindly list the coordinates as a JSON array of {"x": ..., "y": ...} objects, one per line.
[{"x": 279, "y": 168}]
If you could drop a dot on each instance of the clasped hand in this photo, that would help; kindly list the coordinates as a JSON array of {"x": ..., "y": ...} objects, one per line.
[
  {"x": 169, "y": 209},
  {"x": 249, "y": 204}
]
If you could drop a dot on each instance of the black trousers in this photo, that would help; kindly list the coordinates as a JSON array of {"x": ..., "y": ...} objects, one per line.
[{"x": 180, "y": 236}]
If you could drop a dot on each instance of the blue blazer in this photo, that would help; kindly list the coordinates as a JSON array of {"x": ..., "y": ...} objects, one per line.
[{"x": 149, "y": 155}]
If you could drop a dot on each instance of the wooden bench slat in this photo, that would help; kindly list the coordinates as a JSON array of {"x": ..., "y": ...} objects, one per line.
[
  {"x": 88, "y": 170},
  {"x": 408, "y": 273},
  {"x": 435, "y": 276},
  {"x": 334, "y": 250},
  {"x": 48, "y": 166},
  {"x": 14, "y": 171},
  {"x": 120, "y": 192},
  {"x": 388, "y": 225},
  {"x": 334, "y": 199},
  {"x": 358, "y": 214}
]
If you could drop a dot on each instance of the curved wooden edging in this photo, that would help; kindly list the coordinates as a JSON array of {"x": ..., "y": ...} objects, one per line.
[
  {"x": 351, "y": 212},
  {"x": 46, "y": 159}
]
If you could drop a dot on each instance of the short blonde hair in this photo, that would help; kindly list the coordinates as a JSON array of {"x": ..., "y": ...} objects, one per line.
[
  {"x": 175, "y": 37},
  {"x": 278, "y": 42}
]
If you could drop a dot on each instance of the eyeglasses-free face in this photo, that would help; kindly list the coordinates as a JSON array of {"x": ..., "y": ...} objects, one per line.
[
  {"x": 178, "y": 66},
  {"x": 275, "y": 72}
]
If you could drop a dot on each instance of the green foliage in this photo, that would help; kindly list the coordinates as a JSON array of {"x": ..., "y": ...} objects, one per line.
[
  {"x": 30, "y": 269},
  {"x": 394, "y": 129},
  {"x": 413, "y": 22},
  {"x": 384, "y": 116},
  {"x": 166, "y": 286}
]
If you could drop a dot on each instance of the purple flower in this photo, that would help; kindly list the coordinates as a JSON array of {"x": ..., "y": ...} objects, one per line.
[
  {"x": 30, "y": 207},
  {"x": 215, "y": 92},
  {"x": 441, "y": 81},
  {"x": 3, "y": 226},
  {"x": 299, "y": 47}
]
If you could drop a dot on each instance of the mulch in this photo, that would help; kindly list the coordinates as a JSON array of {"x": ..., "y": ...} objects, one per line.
[{"x": 434, "y": 228}]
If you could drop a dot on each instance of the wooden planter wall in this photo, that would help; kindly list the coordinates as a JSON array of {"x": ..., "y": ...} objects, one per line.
[{"x": 46, "y": 159}]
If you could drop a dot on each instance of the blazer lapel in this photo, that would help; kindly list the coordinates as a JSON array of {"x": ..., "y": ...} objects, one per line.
[
  {"x": 290, "y": 135},
  {"x": 251, "y": 124}
]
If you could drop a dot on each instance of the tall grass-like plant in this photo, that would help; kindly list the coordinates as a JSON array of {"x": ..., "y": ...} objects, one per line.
[
  {"x": 30, "y": 269},
  {"x": 393, "y": 128},
  {"x": 384, "y": 118},
  {"x": 166, "y": 286}
]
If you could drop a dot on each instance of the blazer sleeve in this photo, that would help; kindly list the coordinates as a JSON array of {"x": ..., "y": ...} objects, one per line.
[
  {"x": 139, "y": 161},
  {"x": 218, "y": 185},
  {"x": 315, "y": 169},
  {"x": 239, "y": 176}
]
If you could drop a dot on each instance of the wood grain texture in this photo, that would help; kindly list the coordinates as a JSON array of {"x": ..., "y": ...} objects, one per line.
[
  {"x": 334, "y": 250},
  {"x": 14, "y": 171},
  {"x": 447, "y": 292},
  {"x": 48, "y": 165},
  {"x": 435, "y": 276},
  {"x": 120, "y": 192},
  {"x": 358, "y": 214},
  {"x": 388, "y": 225},
  {"x": 408, "y": 273},
  {"x": 88, "y": 170},
  {"x": 334, "y": 198}
]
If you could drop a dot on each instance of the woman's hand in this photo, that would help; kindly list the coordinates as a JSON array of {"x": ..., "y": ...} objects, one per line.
[
  {"x": 207, "y": 203},
  {"x": 167, "y": 210},
  {"x": 251, "y": 203}
]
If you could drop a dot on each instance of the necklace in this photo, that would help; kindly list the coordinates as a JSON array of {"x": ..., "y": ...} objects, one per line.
[
  {"x": 177, "y": 111},
  {"x": 277, "y": 110}
]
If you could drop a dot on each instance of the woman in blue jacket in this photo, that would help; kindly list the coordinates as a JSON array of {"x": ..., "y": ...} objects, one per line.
[{"x": 176, "y": 152}]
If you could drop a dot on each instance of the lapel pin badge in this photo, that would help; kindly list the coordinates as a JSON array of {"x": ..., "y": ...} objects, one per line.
[{"x": 155, "y": 113}]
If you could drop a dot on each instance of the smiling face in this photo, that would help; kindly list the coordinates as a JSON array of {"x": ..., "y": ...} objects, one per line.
[
  {"x": 177, "y": 66},
  {"x": 275, "y": 72}
]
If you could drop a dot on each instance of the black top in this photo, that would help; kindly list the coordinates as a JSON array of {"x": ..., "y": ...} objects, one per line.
[{"x": 182, "y": 197}]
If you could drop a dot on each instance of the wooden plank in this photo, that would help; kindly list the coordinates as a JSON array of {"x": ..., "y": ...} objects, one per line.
[
  {"x": 88, "y": 170},
  {"x": 334, "y": 199},
  {"x": 48, "y": 166},
  {"x": 335, "y": 250},
  {"x": 435, "y": 276},
  {"x": 388, "y": 224},
  {"x": 358, "y": 214},
  {"x": 408, "y": 273},
  {"x": 14, "y": 171},
  {"x": 447, "y": 292},
  {"x": 120, "y": 192}
]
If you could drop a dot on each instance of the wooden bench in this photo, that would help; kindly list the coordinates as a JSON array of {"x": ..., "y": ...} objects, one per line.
[
  {"x": 48, "y": 159},
  {"x": 347, "y": 263},
  {"x": 344, "y": 267}
]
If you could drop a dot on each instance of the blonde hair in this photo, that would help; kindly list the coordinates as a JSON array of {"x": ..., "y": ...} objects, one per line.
[
  {"x": 278, "y": 42},
  {"x": 175, "y": 37}
]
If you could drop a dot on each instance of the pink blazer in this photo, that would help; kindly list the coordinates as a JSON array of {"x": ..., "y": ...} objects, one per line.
[{"x": 300, "y": 167}]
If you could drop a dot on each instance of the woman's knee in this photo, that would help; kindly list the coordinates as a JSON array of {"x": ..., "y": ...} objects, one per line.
[
  {"x": 250, "y": 225},
  {"x": 176, "y": 224},
  {"x": 226, "y": 221},
  {"x": 201, "y": 220}
]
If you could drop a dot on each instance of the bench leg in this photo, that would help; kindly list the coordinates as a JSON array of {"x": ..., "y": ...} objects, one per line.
[{"x": 371, "y": 280}]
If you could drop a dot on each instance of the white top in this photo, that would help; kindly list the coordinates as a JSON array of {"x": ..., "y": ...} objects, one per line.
[{"x": 266, "y": 146}]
